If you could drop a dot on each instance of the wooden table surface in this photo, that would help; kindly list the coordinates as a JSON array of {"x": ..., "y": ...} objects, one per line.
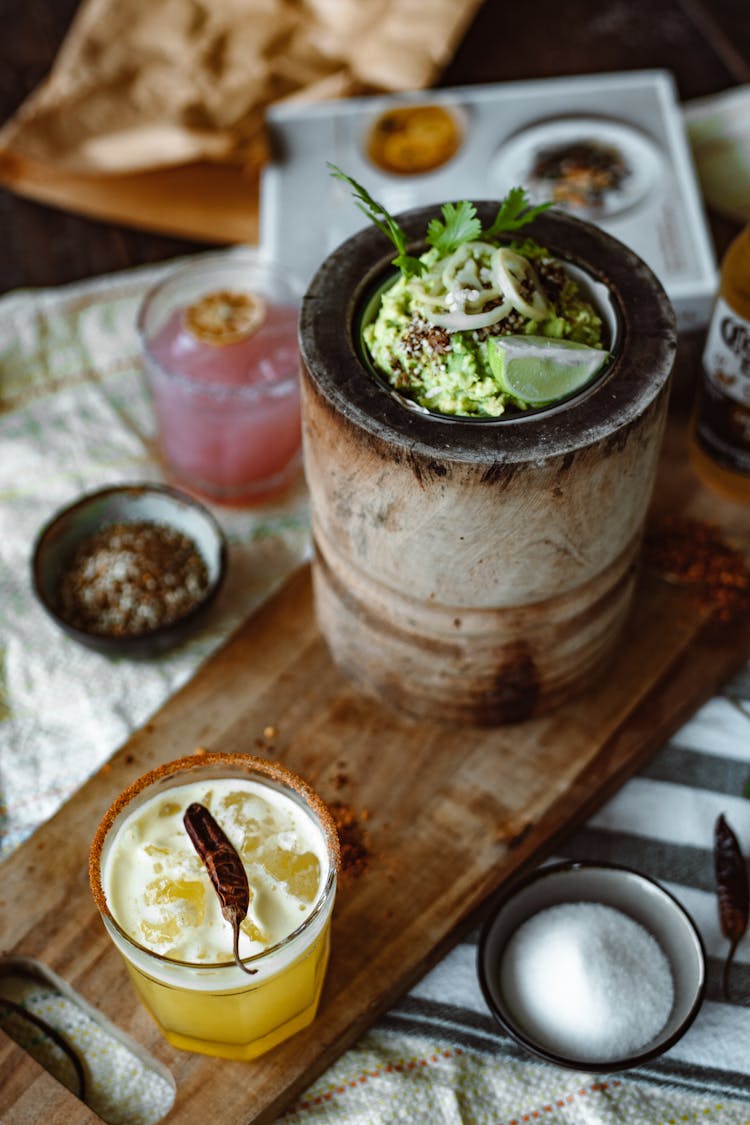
[{"x": 704, "y": 43}]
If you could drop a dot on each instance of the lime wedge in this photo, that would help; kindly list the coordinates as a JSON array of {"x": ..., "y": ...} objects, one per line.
[{"x": 538, "y": 370}]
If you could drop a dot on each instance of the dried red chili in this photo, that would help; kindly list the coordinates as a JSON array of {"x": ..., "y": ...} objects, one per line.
[
  {"x": 225, "y": 870},
  {"x": 732, "y": 889}
]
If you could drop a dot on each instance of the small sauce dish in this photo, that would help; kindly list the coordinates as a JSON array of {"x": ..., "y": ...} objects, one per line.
[
  {"x": 591, "y": 966},
  {"x": 415, "y": 138},
  {"x": 156, "y": 560}
]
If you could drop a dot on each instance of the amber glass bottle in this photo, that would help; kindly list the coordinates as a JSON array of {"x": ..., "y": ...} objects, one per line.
[{"x": 721, "y": 435}]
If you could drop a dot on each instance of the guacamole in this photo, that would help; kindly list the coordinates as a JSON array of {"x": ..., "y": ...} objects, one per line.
[{"x": 435, "y": 332}]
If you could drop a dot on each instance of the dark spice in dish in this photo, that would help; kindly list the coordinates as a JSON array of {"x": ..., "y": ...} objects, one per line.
[
  {"x": 129, "y": 579},
  {"x": 582, "y": 173}
]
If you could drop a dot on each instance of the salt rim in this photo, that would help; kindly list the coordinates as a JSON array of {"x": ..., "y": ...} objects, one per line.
[{"x": 247, "y": 763}]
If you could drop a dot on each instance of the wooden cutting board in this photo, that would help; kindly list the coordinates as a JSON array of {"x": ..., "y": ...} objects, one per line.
[{"x": 453, "y": 813}]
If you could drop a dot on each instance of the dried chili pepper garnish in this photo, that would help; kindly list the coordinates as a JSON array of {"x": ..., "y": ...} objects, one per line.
[
  {"x": 128, "y": 579},
  {"x": 225, "y": 870},
  {"x": 732, "y": 889},
  {"x": 693, "y": 553}
]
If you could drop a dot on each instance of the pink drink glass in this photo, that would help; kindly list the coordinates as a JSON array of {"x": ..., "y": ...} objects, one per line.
[{"x": 227, "y": 413}]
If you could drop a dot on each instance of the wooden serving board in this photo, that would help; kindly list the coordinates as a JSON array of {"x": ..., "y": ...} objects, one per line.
[{"x": 453, "y": 813}]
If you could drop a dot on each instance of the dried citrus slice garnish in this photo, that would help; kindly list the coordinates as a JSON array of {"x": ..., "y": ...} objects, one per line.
[{"x": 225, "y": 317}]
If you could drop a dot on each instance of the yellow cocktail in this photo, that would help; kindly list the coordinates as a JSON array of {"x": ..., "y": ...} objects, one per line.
[{"x": 161, "y": 910}]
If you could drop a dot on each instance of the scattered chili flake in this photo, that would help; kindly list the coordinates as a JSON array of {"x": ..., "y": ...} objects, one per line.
[
  {"x": 693, "y": 553},
  {"x": 131, "y": 578},
  {"x": 355, "y": 845}
]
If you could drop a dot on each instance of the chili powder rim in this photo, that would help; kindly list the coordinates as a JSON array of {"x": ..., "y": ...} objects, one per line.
[{"x": 246, "y": 763}]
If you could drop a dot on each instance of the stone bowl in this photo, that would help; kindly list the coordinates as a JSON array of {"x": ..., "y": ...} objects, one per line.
[{"x": 480, "y": 571}]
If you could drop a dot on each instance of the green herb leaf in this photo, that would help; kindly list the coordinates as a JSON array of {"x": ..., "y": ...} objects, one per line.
[
  {"x": 376, "y": 212},
  {"x": 514, "y": 212},
  {"x": 460, "y": 225},
  {"x": 529, "y": 248}
]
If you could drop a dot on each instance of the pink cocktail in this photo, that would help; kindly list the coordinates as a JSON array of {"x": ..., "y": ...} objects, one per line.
[{"x": 220, "y": 348}]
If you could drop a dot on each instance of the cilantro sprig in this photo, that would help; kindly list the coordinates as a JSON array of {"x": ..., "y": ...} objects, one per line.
[
  {"x": 460, "y": 224},
  {"x": 376, "y": 212},
  {"x": 514, "y": 212}
]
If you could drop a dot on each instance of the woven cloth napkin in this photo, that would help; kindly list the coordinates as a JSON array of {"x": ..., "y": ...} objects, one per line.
[{"x": 74, "y": 416}]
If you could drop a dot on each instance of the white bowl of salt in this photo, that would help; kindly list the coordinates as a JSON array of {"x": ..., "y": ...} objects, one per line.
[{"x": 592, "y": 966}]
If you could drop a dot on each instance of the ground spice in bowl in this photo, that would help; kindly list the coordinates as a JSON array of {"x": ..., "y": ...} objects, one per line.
[
  {"x": 130, "y": 570},
  {"x": 131, "y": 578}
]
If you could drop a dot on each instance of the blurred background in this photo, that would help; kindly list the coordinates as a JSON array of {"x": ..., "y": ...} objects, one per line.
[{"x": 703, "y": 44}]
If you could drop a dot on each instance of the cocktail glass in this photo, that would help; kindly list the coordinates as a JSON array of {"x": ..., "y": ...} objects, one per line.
[
  {"x": 225, "y": 393},
  {"x": 217, "y": 1008}
]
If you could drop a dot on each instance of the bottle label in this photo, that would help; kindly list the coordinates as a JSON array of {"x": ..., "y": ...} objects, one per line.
[
  {"x": 726, "y": 356},
  {"x": 723, "y": 420}
]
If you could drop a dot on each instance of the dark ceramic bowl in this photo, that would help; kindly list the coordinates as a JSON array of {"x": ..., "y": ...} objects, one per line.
[
  {"x": 626, "y": 890},
  {"x": 59, "y": 539}
]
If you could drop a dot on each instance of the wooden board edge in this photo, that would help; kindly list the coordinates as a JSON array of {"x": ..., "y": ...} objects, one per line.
[{"x": 44, "y": 1098}]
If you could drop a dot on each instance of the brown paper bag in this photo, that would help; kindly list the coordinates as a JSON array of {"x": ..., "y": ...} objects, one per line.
[{"x": 153, "y": 112}]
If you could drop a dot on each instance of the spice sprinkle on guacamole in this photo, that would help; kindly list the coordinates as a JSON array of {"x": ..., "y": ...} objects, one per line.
[{"x": 475, "y": 327}]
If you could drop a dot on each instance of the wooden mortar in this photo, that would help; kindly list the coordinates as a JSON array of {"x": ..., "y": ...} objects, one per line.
[{"x": 473, "y": 571}]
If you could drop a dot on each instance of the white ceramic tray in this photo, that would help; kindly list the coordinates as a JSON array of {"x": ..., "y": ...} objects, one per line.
[{"x": 658, "y": 212}]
